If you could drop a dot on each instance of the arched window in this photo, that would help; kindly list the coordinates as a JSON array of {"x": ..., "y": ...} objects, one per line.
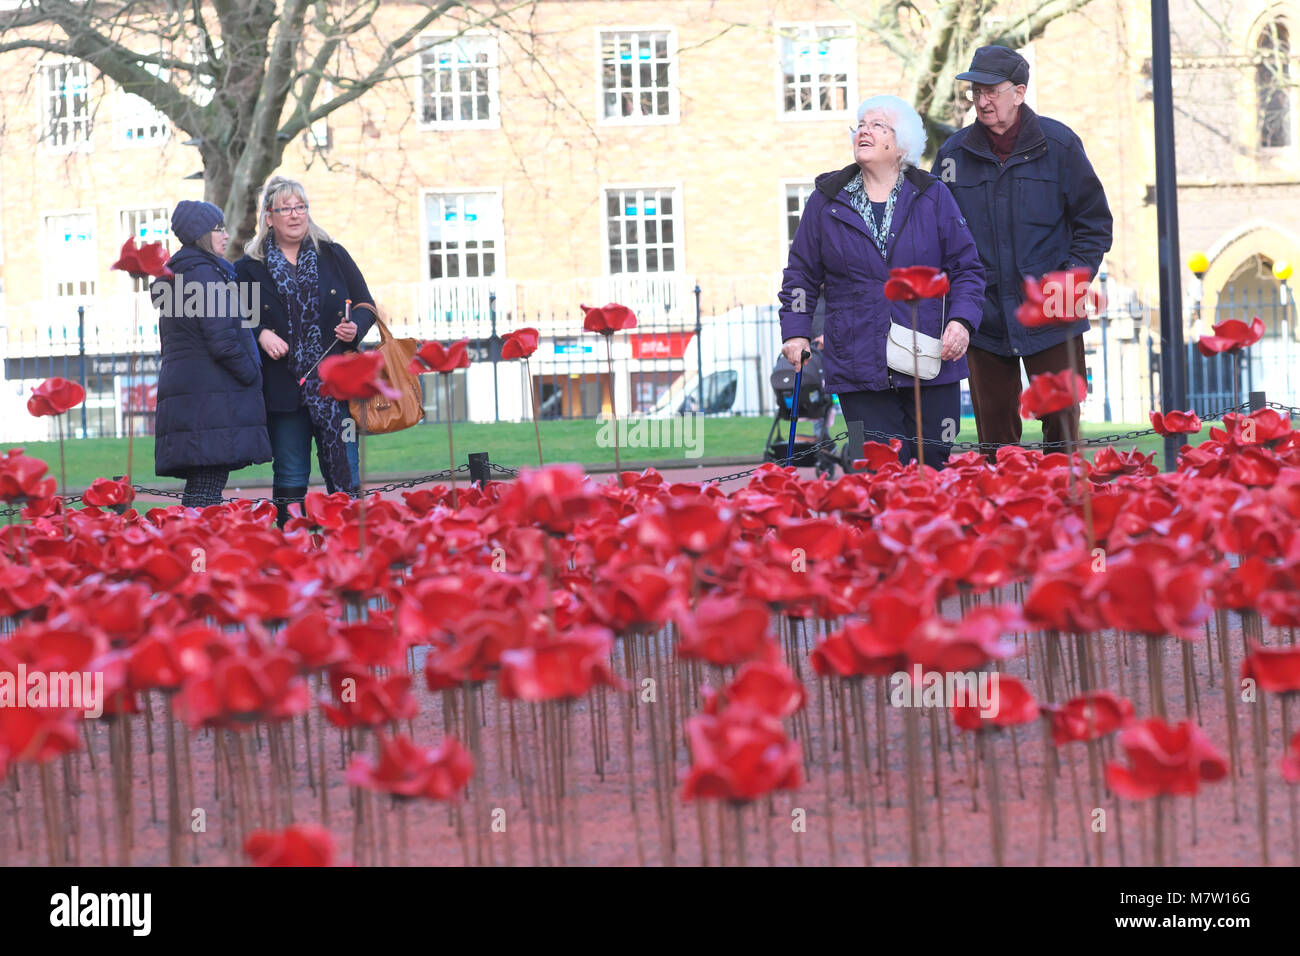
[{"x": 1273, "y": 85}]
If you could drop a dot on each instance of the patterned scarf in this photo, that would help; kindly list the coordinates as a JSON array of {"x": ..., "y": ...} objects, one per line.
[
  {"x": 858, "y": 197},
  {"x": 302, "y": 294}
]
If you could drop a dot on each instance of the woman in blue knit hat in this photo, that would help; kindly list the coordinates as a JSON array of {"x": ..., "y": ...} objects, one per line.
[{"x": 211, "y": 417}]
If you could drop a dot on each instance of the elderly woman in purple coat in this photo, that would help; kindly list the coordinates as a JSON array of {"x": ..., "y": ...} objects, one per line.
[{"x": 881, "y": 213}]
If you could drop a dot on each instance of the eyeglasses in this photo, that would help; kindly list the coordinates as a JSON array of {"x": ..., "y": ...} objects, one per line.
[
  {"x": 291, "y": 210},
  {"x": 220, "y": 227},
  {"x": 875, "y": 127},
  {"x": 974, "y": 93}
]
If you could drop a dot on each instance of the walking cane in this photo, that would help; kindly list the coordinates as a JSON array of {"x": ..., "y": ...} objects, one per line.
[{"x": 794, "y": 404}]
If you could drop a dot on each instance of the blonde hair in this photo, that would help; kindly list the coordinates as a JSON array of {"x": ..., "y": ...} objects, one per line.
[
  {"x": 275, "y": 189},
  {"x": 204, "y": 242}
]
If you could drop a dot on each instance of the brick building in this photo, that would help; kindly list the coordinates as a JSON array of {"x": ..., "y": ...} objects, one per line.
[{"x": 628, "y": 151}]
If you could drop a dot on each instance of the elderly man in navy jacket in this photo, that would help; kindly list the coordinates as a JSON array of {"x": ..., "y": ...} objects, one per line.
[{"x": 1034, "y": 205}]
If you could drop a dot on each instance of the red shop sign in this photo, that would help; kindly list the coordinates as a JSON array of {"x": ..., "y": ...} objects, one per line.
[{"x": 659, "y": 345}]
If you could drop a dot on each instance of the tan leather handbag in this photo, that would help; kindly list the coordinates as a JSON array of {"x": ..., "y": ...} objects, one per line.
[{"x": 384, "y": 415}]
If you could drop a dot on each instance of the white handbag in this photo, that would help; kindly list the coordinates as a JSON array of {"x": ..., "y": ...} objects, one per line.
[{"x": 922, "y": 360}]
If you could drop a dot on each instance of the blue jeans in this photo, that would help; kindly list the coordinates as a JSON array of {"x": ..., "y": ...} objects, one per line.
[{"x": 291, "y": 436}]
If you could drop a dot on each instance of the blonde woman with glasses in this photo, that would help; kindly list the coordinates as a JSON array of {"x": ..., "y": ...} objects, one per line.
[{"x": 305, "y": 278}]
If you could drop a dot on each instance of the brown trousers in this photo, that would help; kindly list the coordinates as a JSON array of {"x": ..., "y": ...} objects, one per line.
[{"x": 995, "y": 392}]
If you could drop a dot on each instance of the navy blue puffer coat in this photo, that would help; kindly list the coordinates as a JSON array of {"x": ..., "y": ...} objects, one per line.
[{"x": 210, "y": 406}]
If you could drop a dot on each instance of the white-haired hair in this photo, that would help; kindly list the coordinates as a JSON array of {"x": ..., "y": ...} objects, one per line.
[{"x": 909, "y": 131}]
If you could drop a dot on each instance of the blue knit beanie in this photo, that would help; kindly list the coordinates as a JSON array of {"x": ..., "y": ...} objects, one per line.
[{"x": 194, "y": 219}]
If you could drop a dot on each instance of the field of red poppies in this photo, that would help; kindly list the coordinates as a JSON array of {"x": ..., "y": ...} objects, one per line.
[{"x": 554, "y": 671}]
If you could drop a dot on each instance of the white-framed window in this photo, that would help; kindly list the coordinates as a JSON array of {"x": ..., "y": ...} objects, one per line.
[
  {"x": 70, "y": 255},
  {"x": 138, "y": 122},
  {"x": 818, "y": 68},
  {"x": 794, "y": 196},
  {"x": 642, "y": 228},
  {"x": 65, "y": 104},
  {"x": 1273, "y": 86},
  {"x": 638, "y": 76},
  {"x": 458, "y": 83},
  {"x": 464, "y": 235},
  {"x": 145, "y": 224}
]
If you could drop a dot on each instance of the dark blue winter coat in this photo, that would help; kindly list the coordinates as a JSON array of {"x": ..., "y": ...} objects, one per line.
[
  {"x": 1041, "y": 211},
  {"x": 340, "y": 279},
  {"x": 833, "y": 251},
  {"x": 210, "y": 407}
]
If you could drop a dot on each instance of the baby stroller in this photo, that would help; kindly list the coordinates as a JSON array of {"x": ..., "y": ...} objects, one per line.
[{"x": 816, "y": 405}]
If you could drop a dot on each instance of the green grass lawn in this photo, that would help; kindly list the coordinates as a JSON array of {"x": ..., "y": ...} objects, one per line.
[{"x": 424, "y": 448}]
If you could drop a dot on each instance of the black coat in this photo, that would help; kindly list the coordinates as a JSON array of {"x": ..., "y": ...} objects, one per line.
[
  {"x": 340, "y": 279},
  {"x": 210, "y": 408},
  {"x": 1043, "y": 210}
]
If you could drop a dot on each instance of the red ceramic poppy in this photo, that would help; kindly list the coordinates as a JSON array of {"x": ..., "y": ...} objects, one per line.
[
  {"x": 1231, "y": 335},
  {"x": 876, "y": 455},
  {"x": 911, "y": 283},
  {"x": 303, "y": 844},
  {"x": 1164, "y": 760},
  {"x": 1089, "y": 716},
  {"x": 566, "y": 666},
  {"x": 315, "y": 640},
  {"x": 355, "y": 376},
  {"x": 35, "y": 735},
  {"x": 22, "y": 478},
  {"x": 943, "y": 645},
  {"x": 1059, "y": 298},
  {"x": 153, "y": 257},
  {"x": 242, "y": 687},
  {"x": 693, "y": 525},
  {"x": 1176, "y": 423},
  {"x": 105, "y": 493},
  {"x": 726, "y": 630},
  {"x": 740, "y": 755},
  {"x": 433, "y": 357},
  {"x": 165, "y": 659},
  {"x": 553, "y": 498},
  {"x": 520, "y": 343},
  {"x": 407, "y": 771},
  {"x": 368, "y": 701},
  {"x": 1009, "y": 703},
  {"x": 55, "y": 396},
  {"x": 1052, "y": 392},
  {"x": 128, "y": 260},
  {"x": 607, "y": 319},
  {"x": 767, "y": 686},
  {"x": 1274, "y": 669},
  {"x": 1291, "y": 760},
  {"x": 1109, "y": 463}
]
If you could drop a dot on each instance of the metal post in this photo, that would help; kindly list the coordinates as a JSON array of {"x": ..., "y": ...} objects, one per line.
[
  {"x": 856, "y": 439},
  {"x": 699, "y": 353},
  {"x": 1258, "y": 401},
  {"x": 478, "y": 467},
  {"x": 1105, "y": 352},
  {"x": 1173, "y": 380},
  {"x": 81, "y": 350},
  {"x": 493, "y": 355}
]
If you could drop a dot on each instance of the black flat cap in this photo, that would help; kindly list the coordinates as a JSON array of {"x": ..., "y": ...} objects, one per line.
[{"x": 992, "y": 64}]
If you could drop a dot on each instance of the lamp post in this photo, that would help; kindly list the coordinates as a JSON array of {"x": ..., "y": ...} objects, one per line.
[
  {"x": 1199, "y": 264},
  {"x": 1282, "y": 272}
]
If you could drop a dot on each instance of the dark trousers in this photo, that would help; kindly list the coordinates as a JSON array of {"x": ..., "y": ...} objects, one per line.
[
  {"x": 995, "y": 393},
  {"x": 203, "y": 486},
  {"x": 893, "y": 412}
]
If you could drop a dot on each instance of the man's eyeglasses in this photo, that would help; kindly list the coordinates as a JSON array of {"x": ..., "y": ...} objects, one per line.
[
  {"x": 291, "y": 210},
  {"x": 975, "y": 93},
  {"x": 875, "y": 128}
]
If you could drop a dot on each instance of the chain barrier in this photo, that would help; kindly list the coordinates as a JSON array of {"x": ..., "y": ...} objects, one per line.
[{"x": 803, "y": 451}]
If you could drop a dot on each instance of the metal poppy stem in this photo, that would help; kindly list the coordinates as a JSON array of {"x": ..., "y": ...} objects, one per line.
[
  {"x": 613, "y": 406},
  {"x": 451, "y": 452},
  {"x": 537, "y": 428}
]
